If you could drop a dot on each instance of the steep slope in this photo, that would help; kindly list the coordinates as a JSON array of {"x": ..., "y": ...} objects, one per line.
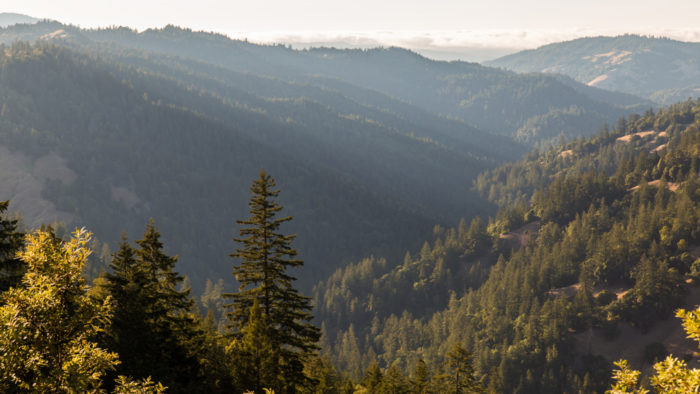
[
  {"x": 490, "y": 99},
  {"x": 142, "y": 145},
  {"x": 660, "y": 69},
  {"x": 533, "y": 294}
]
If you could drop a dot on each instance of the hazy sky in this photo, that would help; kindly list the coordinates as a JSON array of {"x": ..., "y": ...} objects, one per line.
[{"x": 435, "y": 23}]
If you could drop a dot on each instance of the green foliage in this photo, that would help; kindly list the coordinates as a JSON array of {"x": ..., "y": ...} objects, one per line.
[
  {"x": 128, "y": 386},
  {"x": 170, "y": 126},
  {"x": 254, "y": 357},
  {"x": 11, "y": 241},
  {"x": 48, "y": 324},
  {"x": 588, "y": 228},
  {"x": 266, "y": 294},
  {"x": 421, "y": 378},
  {"x": 153, "y": 328},
  {"x": 460, "y": 372},
  {"x": 625, "y": 380}
]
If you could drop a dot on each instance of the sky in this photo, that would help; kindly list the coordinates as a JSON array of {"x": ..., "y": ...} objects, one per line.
[{"x": 450, "y": 26}]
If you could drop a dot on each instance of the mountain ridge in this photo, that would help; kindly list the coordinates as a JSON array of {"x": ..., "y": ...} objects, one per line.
[{"x": 660, "y": 69}]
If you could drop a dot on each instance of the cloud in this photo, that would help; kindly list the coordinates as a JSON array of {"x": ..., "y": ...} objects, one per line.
[{"x": 454, "y": 39}]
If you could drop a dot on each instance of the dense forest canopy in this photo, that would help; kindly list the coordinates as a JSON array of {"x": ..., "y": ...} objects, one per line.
[
  {"x": 603, "y": 239},
  {"x": 120, "y": 142},
  {"x": 426, "y": 256},
  {"x": 375, "y": 132},
  {"x": 522, "y": 292}
]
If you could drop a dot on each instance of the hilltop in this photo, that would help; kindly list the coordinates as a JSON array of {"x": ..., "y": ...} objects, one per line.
[{"x": 660, "y": 69}]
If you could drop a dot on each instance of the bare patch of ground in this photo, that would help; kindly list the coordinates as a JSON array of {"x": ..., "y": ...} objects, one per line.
[
  {"x": 619, "y": 289},
  {"x": 631, "y": 341},
  {"x": 695, "y": 252},
  {"x": 641, "y": 134},
  {"x": 60, "y": 33},
  {"x": 522, "y": 236},
  {"x": 565, "y": 153},
  {"x": 658, "y": 148},
  {"x": 52, "y": 166},
  {"x": 568, "y": 291},
  {"x": 672, "y": 186},
  {"x": 22, "y": 180},
  {"x": 129, "y": 199},
  {"x": 613, "y": 57},
  {"x": 597, "y": 80}
]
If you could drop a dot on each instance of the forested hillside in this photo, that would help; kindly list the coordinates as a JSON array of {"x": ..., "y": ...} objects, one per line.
[
  {"x": 434, "y": 264},
  {"x": 493, "y": 100},
  {"x": 192, "y": 114},
  {"x": 592, "y": 237},
  {"x": 660, "y": 69},
  {"x": 132, "y": 146}
]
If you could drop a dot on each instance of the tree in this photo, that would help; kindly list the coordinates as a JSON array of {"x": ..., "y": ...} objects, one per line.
[
  {"x": 421, "y": 378},
  {"x": 373, "y": 377},
  {"x": 47, "y": 325},
  {"x": 154, "y": 330},
  {"x": 265, "y": 255},
  {"x": 11, "y": 241},
  {"x": 255, "y": 358},
  {"x": 461, "y": 372},
  {"x": 393, "y": 382}
]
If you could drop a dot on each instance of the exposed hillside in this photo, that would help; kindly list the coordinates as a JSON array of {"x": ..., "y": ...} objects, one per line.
[
  {"x": 660, "y": 69},
  {"x": 595, "y": 238},
  {"x": 490, "y": 99}
]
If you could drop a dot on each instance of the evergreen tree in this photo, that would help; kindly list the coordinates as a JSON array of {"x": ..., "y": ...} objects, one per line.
[
  {"x": 461, "y": 372},
  {"x": 393, "y": 382},
  {"x": 421, "y": 378},
  {"x": 265, "y": 255},
  {"x": 373, "y": 378},
  {"x": 255, "y": 358},
  {"x": 153, "y": 329},
  {"x": 47, "y": 326},
  {"x": 11, "y": 240}
]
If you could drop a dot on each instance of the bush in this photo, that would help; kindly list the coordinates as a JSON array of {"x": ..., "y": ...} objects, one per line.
[{"x": 605, "y": 297}]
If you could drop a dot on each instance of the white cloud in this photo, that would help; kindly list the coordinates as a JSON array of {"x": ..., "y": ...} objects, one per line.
[{"x": 474, "y": 45}]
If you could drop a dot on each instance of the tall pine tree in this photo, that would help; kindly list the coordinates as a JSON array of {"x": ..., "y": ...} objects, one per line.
[{"x": 265, "y": 255}]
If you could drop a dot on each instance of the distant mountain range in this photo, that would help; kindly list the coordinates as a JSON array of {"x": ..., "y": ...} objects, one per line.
[
  {"x": 660, "y": 69},
  {"x": 371, "y": 148},
  {"x": 492, "y": 100},
  {"x": 9, "y": 19}
]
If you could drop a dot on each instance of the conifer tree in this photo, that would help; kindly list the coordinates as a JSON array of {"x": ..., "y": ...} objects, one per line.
[
  {"x": 11, "y": 242},
  {"x": 373, "y": 377},
  {"x": 255, "y": 358},
  {"x": 265, "y": 255},
  {"x": 48, "y": 325},
  {"x": 461, "y": 372},
  {"x": 153, "y": 329},
  {"x": 421, "y": 378}
]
